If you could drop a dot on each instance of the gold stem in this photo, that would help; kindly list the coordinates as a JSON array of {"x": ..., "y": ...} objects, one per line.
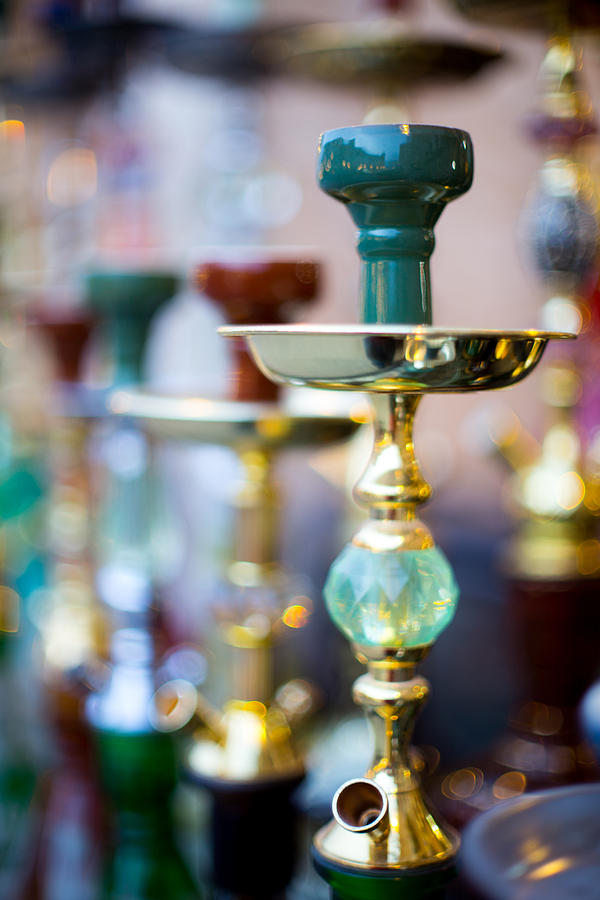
[
  {"x": 252, "y": 673},
  {"x": 392, "y": 484},
  {"x": 256, "y": 507}
]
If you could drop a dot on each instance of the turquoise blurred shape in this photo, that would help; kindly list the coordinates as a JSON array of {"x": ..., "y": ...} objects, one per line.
[{"x": 395, "y": 598}]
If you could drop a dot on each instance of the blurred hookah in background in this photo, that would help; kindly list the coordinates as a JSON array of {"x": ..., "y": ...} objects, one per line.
[
  {"x": 99, "y": 660},
  {"x": 136, "y": 753},
  {"x": 66, "y": 67},
  {"x": 243, "y": 193},
  {"x": 245, "y": 756},
  {"x": 72, "y": 630},
  {"x": 69, "y": 620},
  {"x": 80, "y": 663},
  {"x": 23, "y": 482},
  {"x": 553, "y": 561},
  {"x": 383, "y": 53}
]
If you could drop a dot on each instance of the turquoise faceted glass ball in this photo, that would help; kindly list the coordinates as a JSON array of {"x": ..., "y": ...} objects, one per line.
[{"x": 395, "y": 598}]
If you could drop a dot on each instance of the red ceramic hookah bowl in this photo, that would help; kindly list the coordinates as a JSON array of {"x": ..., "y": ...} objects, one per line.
[{"x": 257, "y": 290}]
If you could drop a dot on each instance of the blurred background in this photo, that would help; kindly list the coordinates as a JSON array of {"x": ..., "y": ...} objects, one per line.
[{"x": 163, "y": 633}]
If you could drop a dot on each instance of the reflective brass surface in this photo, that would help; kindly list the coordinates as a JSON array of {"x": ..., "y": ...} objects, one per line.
[
  {"x": 254, "y": 546},
  {"x": 251, "y": 738},
  {"x": 392, "y": 484},
  {"x": 229, "y": 422},
  {"x": 394, "y": 358},
  {"x": 412, "y": 836},
  {"x": 248, "y": 742},
  {"x": 361, "y": 806},
  {"x": 561, "y": 95},
  {"x": 553, "y": 491}
]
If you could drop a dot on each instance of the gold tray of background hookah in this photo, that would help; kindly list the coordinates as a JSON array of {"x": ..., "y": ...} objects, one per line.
[
  {"x": 542, "y": 15},
  {"x": 393, "y": 358},
  {"x": 228, "y": 422},
  {"x": 383, "y": 50}
]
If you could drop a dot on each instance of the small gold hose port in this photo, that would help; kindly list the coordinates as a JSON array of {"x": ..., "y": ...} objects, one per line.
[{"x": 361, "y": 806}]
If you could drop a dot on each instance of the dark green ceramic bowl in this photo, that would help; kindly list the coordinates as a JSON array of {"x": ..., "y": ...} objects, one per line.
[
  {"x": 125, "y": 302},
  {"x": 139, "y": 293}
]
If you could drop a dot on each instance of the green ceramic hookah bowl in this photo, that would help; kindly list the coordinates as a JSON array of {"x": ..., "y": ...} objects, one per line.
[
  {"x": 125, "y": 302},
  {"x": 395, "y": 181}
]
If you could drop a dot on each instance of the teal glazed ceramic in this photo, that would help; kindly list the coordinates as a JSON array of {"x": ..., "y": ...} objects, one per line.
[
  {"x": 396, "y": 181},
  {"x": 125, "y": 302}
]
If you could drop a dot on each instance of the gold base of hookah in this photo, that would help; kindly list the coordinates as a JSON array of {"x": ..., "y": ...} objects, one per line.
[
  {"x": 255, "y": 745},
  {"x": 383, "y": 821}
]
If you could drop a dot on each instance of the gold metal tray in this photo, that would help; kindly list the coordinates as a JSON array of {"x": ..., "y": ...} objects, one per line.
[
  {"x": 394, "y": 358},
  {"x": 227, "y": 422}
]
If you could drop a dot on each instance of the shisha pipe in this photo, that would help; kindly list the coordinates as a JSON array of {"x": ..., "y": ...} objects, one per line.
[
  {"x": 245, "y": 755},
  {"x": 553, "y": 560},
  {"x": 72, "y": 625},
  {"x": 74, "y": 632},
  {"x": 72, "y": 628},
  {"x": 134, "y": 741},
  {"x": 391, "y": 591}
]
